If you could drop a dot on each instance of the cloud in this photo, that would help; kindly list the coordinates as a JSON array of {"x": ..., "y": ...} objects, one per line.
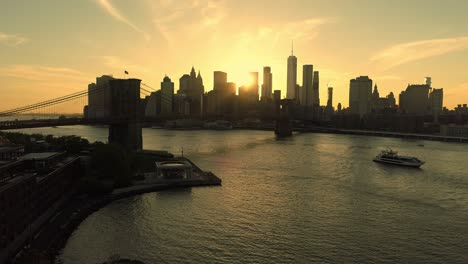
[
  {"x": 418, "y": 50},
  {"x": 186, "y": 17},
  {"x": 42, "y": 73},
  {"x": 115, "y": 13},
  {"x": 12, "y": 40}
]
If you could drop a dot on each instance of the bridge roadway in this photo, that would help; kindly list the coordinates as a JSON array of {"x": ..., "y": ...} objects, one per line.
[
  {"x": 72, "y": 121},
  {"x": 19, "y": 124}
]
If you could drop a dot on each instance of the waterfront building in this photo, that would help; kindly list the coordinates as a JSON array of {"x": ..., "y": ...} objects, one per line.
[
  {"x": 167, "y": 96},
  {"x": 297, "y": 92},
  {"x": 315, "y": 90},
  {"x": 292, "y": 77},
  {"x": 391, "y": 100},
  {"x": 379, "y": 104},
  {"x": 253, "y": 90},
  {"x": 181, "y": 105},
  {"x": 462, "y": 109},
  {"x": 29, "y": 188},
  {"x": 212, "y": 102},
  {"x": 277, "y": 95},
  {"x": 454, "y": 130},
  {"x": 436, "y": 100},
  {"x": 307, "y": 85},
  {"x": 99, "y": 95},
  {"x": 184, "y": 84},
  {"x": 9, "y": 151},
  {"x": 267, "y": 83},
  {"x": 153, "y": 104},
  {"x": 360, "y": 92},
  {"x": 414, "y": 100},
  {"x": 330, "y": 97},
  {"x": 231, "y": 88},
  {"x": 172, "y": 170},
  {"x": 220, "y": 81},
  {"x": 192, "y": 86}
]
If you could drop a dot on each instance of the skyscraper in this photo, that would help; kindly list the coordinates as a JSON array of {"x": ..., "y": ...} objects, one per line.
[
  {"x": 254, "y": 85},
  {"x": 415, "y": 99},
  {"x": 231, "y": 88},
  {"x": 360, "y": 92},
  {"x": 220, "y": 81},
  {"x": 307, "y": 83},
  {"x": 167, "y": 96},
  {"x": 191, "y": 85},
  {"x": 330, "y": 97},
  {"x": 292, "y": 77},
  {"x": 267, "y": 83},
  {"x": 315, "y": 90},
  {"x": 436, "y": 98}
]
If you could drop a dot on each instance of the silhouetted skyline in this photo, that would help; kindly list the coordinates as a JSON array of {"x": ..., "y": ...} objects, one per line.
[{"x": 54, "y": 47}]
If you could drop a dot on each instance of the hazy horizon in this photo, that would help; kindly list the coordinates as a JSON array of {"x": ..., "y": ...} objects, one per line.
[{"x": 52, "y": 48}]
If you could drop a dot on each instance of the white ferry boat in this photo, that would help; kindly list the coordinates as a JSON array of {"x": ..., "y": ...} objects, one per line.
[{"x": 392, "y": 157}]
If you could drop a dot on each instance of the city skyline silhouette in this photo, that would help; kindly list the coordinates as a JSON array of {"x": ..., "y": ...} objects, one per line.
[{"x": 44, "y": 55}]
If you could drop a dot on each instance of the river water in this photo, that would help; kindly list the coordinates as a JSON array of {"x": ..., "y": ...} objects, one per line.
[{"x": 312, "y": 198}]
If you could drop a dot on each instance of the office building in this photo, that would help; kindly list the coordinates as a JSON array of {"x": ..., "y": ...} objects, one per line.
[
  {"x": 360, "y": 92},
  {"x": 99, "y": 97},
  {"x": 277, "y": 95},
  {"x": 307, "y": 85},
  {"x": 436, "y": 100},
  {"x": 315, "y": 90},
  {"x": 330, "y": 97},
  {"x": 267, "y": 83},
  {"x": 191, "y": 85},
  {"x": 167, "y": 96},
  {"x": 414, "y": 100},
  {"x": 153, "y": 104},
  {"x": 220, "y": 81},
  {"x": 231, "y": 88}
]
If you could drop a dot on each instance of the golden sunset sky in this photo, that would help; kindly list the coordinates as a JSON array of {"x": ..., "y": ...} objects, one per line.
[{"x": 51, "y": 48}]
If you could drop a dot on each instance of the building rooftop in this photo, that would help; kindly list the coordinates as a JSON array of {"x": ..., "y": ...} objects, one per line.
[
  {"x": 41, "y": 156},
  {"x": 9, "y": 147}
]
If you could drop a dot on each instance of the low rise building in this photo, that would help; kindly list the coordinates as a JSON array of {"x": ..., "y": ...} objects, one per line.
[
  {"x": 10, "y": 152},
  {"x": 29, "y": 187},
  {"x": 454, "y": 130}
]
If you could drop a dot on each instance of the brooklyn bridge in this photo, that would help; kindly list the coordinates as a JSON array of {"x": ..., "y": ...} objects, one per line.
[{"x": 123, "y": 114}]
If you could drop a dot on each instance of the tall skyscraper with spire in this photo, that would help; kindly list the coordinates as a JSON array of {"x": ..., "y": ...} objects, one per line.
[{"x": 292, "y": 76}]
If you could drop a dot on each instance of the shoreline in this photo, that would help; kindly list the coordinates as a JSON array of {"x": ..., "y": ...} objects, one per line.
[
  {"x": 49, "y": 240},
  {"x": 327, "y": 130}
]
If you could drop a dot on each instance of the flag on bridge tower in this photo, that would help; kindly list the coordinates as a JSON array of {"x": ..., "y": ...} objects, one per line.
[{"x": 126, "y": 72}]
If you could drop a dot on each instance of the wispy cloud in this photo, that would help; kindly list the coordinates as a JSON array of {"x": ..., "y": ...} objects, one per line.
[
  {"x": 173, "y": 18},
  {"x": 12, "y": 40},
  {"x": 417, "y": 50},
  {"x": 41, "y": 73},
  {"x": 116, "y": 14},
  {"x": 268, "y": 35}
]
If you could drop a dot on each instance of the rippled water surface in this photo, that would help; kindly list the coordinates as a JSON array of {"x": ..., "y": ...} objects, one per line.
[{"x": 313, "y": 198}]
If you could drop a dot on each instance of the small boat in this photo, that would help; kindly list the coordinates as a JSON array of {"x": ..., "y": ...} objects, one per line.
[{"x": 392, "y": 157}]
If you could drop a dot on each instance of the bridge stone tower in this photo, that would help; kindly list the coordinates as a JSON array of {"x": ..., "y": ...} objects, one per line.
[{"x": 125, "y": 114}]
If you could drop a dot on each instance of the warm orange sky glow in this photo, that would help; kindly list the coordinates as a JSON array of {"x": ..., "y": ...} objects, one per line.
[{"x": 55, "y": 48}]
